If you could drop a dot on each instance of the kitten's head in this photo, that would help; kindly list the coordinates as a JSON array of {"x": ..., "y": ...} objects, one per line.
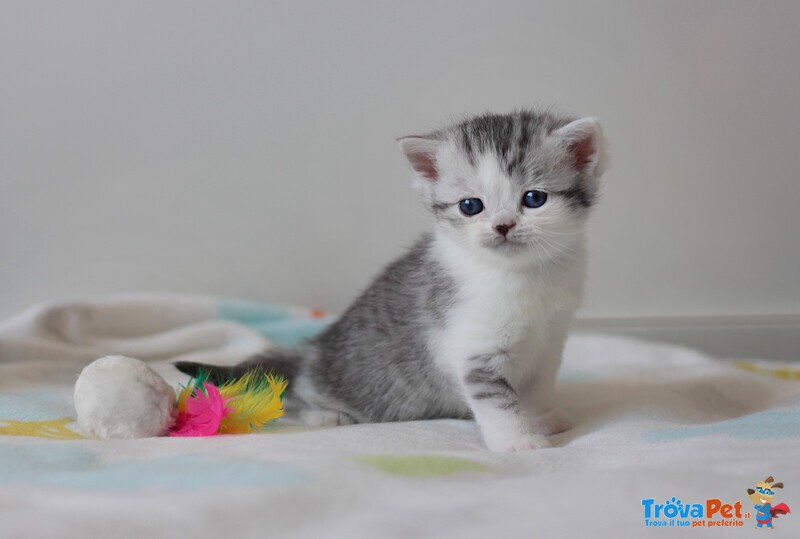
[{"x": 514, "y": 186}]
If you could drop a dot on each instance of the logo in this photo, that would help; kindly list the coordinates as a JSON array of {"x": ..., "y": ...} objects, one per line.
[
  {"x": 708, "y": 513},
  {"x": 714, "y": 512},
  {"x": 762, "y": 497}
]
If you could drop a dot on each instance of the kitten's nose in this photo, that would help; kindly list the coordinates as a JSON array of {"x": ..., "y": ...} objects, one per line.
[{"x": 503, "y": 229}]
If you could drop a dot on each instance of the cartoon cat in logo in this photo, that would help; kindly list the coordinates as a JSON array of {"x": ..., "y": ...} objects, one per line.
[{"x": 762, "y": 498}]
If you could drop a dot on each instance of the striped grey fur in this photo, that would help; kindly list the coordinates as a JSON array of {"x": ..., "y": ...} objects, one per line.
[
  {"x": 485, "y": 381},
  {"x": 373, "y": 363},
  {"x": 516, "y": 139}
]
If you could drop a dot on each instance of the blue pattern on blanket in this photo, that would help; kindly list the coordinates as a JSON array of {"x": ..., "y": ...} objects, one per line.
[
  {"x": 760, "y": 426},
  {"x": 73, "y": 466},
  {"x": 252, "y": 312},
  {"x": 290, "y": 332},
  {"x": 280, "y": 324},
  {"x": 38, "y": 405}
]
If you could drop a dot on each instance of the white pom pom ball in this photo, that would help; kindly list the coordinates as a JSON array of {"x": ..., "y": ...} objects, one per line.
[{"x": 121, "y": 397}]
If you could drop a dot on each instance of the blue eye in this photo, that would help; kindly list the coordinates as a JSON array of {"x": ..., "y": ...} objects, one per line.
[
  {"x": 534, "y": 199},
  {"x": 471, "y": 206}
]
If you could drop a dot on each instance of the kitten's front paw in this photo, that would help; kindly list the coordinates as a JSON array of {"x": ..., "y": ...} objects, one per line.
[
  {"x": 553, "y": 422},
  {"x": 525, "y": 443}
]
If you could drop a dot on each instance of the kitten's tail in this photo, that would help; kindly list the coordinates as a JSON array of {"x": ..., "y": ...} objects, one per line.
[{"x": 278, "y": 361}]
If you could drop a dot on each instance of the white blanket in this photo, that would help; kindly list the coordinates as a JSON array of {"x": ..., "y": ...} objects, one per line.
[{"x": 652, "y": 422}]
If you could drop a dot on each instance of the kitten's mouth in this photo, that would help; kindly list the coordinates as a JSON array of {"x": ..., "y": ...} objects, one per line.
[{"x": 506, "y": 244}]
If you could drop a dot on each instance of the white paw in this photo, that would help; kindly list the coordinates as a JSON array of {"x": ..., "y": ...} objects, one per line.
[
  {"x": 525, "y": 443},
  {"x": 553, "y": 422},
  {"x": 324, "y": 418}
]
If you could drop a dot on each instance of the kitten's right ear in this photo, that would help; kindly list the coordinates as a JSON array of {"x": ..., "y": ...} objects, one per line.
[
  {"x": 582, "y": 141},
  {"x": 421, "y": 153}
]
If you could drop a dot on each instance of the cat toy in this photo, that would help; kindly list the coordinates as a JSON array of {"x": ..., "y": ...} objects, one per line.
[{"x": 121, "y": 397}]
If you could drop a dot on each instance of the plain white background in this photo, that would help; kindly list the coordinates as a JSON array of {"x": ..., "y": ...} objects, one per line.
[{"x": 247, "y": 148}]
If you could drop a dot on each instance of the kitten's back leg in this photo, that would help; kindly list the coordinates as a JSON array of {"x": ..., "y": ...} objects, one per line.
[
  {"x": 320, "y": 417},
  {"x": 286, "y": 363}
]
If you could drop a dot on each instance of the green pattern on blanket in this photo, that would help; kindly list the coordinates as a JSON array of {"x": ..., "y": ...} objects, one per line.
[{"x": 422, "y": 465}]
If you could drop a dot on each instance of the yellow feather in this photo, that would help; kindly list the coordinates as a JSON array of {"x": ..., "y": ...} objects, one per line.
[
  {"x": 185, "y": 393},
  {"x": 255, "y": 400}
]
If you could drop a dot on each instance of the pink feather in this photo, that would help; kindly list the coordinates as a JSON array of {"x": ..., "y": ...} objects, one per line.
[{"x": 202, "y": 413}]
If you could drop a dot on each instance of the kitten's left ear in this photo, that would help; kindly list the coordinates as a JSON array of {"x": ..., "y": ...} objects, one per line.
[
  {"x": 421, "y": 153},
  {"x": 582, "y": 141}
]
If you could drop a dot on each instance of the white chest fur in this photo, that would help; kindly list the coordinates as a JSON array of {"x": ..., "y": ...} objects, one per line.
[{"x": 502, "y": 309}]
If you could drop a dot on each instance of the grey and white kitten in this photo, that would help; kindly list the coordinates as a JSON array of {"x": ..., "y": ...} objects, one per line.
[{"x": 471, "y": 322}]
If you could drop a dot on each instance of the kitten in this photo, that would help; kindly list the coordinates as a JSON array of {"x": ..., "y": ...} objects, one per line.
[{"x": 472, "y": 321}]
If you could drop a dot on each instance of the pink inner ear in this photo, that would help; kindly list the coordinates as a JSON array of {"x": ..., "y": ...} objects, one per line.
[
  {"x": 424, "y": 164},
  {"x": 582, "y": 152},
  {"x": 421, "y": 154}
]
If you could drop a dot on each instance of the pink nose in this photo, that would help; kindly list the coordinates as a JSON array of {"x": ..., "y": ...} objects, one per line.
[{"x": 503, "y": 229}]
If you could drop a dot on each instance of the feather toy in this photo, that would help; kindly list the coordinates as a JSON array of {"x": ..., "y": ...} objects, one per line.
[
  {"x": 201, "y": 412},
  {"x": 237, "y": 407},
  {"x": 122, "y": 397},
  {"x": 254, "y": 400}
]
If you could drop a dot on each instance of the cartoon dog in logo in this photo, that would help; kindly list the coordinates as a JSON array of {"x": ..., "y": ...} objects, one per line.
[{"x": 762, "y": 496}]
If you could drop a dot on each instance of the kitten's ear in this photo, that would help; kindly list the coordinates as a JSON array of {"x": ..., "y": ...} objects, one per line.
[
  {"x": 421, "y": 153},
  {"x": 582, "y": 140}
]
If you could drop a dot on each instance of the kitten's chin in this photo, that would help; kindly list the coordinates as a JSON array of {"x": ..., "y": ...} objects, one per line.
[
  {"x": 511, "y": 253},
  {"x": 496, "y": 252},
  {"x": 516, "y": 254},
  {"x": 507, "y": 247}
]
